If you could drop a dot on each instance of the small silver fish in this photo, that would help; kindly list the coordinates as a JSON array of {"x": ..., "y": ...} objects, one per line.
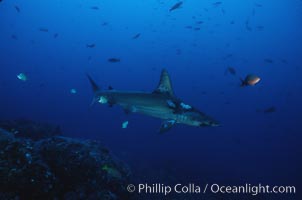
[
  {"x": 73, "y": 91},
  {"x": 22, "y": 77},
  {"x": 125, "y": 124}
]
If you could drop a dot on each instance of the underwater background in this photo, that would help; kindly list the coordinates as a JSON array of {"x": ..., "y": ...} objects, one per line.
[{"x": 206, "y": 46}]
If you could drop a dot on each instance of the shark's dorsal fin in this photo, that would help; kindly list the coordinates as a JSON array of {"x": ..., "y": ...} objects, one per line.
[{"x": 164, "y": 85}]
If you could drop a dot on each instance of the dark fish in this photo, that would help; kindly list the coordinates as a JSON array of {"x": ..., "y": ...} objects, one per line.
[
  {"x": 260, "y": 28},
  {"x": 227, "y": 56},
  {"x": 268, "y": 60},
  {"x": 17, "y": 9},
  {"x": 284, "y": 61},
  {"x": 218, "y": 3},
  {"x": 104, "y": 24},
  {"x": 114, "y": 60},
  {"x": 176, "y": 6},
  {"x": 196, "y": 29},
  {"x": 189, "y": 27},
  {"x": 136, "y": 36},
  {"x": 223, "y": 11},
  {"x": 178, "y": 51},
  {"x": 227, "y": 102},
  {"x": 199, "y": 22},
  {"x": 270, "y": 109},
  {"x": 14, "y": 37},
  {"x": 230, "y": 70},
  {"x": 232, "y": 22},
  {"x": 253, "y": 12},
  {"x": 90, "y": 45},
  {"x": 55, "y": 35},
  {"x": 43, "y": 30},
  {"x": 247, "y": 25},
  {"x": 250, "y": 80},
  {"x": 248, "y": 28},
  {"x": 258, "y": 5},
  {"x": 153, "y": 69},
  {"x": 94, "y": 7}
]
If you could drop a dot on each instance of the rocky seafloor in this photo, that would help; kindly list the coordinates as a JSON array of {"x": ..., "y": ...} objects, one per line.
[{"x": 37, "y": 162}]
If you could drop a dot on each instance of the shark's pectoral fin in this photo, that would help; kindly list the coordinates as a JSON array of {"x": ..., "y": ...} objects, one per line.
[{"x": 166, "y": 125}]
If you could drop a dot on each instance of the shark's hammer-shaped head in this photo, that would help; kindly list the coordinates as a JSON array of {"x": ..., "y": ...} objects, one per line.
[{"x": 194, "y": 117}]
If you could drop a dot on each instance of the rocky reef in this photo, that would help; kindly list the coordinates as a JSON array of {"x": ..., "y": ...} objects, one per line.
[
  {"x": 37, "y": 163},
  {"x": 25, "y": 128}
]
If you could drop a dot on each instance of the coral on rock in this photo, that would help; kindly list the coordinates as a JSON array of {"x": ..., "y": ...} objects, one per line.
[{"x": 57, "y": 167}]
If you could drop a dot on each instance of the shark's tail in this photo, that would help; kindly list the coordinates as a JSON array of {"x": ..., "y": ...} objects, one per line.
[{"x": 95, "y": 89}]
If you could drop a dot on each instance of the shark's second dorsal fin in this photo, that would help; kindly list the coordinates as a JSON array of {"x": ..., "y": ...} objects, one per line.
[{"x": 164, "y": 85}]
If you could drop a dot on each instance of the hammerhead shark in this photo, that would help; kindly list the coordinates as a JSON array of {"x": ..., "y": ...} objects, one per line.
[{"x": 161, "y": 103}]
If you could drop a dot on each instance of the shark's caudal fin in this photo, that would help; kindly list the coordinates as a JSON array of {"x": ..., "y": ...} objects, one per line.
[
  {"x": 164, "y": 85},
  {"x": 95, "y": 88}
]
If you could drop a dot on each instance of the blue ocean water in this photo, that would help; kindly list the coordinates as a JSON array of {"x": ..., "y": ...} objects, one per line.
[{"x": 55, "y": 43}]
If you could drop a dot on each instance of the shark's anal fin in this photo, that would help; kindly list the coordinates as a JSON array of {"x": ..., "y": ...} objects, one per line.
[
  {"x": 166, "y": 125},
  {"x": 164, "y": 85}
]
